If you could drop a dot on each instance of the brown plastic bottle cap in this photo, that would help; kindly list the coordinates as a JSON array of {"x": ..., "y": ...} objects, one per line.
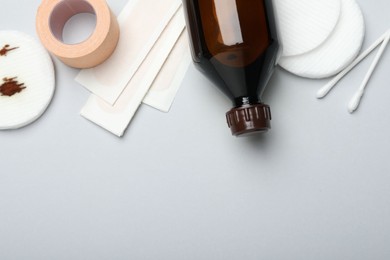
[{"x": 249, "y": 119}]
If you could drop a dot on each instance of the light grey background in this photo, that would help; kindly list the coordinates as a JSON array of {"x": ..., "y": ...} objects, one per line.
[{"x": 179, "y": 186}]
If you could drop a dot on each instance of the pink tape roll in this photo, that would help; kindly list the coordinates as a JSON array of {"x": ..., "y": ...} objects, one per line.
[{"x": 51, "y": 18}]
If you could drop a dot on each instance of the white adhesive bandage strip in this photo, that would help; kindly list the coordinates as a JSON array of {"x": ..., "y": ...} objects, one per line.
[
  {"x": 329, "y": 86},
  {"x": 140, "y": 29},
  {"x": 163, "y": 91},
  {"x": 116, "y": 118}
]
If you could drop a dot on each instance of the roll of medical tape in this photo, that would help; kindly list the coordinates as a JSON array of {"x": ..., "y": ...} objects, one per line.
[{"x": 52, "y": 16}]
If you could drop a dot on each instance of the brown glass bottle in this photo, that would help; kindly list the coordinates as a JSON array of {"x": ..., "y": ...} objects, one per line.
[{"x": 235, "y": 44}]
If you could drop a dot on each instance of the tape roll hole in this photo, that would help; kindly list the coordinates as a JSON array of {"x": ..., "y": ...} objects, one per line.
[{"x": 66, "y": 18}]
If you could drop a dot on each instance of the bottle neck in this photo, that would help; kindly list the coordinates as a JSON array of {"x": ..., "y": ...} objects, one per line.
[{"x": 246, "y": 101}]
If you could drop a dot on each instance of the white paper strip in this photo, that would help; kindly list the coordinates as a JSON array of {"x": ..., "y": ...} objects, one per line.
[
  {"x": 165, "y": 86},
  {"x": 141, "y": 23},
  {"x": 116, "y": 118}
]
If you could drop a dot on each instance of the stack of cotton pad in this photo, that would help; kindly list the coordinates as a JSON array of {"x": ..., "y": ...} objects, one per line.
[
  {"x": 321, "y": 37},
  {"x": 27, "y": 80}
]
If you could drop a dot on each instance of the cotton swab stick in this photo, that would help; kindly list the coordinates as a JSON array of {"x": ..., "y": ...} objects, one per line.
[
  {"x": 328, "y": 87},
  {"x": 355, "y": 101}
]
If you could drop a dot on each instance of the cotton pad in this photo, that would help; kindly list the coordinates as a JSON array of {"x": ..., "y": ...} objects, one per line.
[
  {"x": 306, "y": 24},
  {"x": 27, "y": 80},
  {"x": 337, "y": 52}
]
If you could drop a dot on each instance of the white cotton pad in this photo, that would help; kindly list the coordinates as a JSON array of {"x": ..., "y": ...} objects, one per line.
[
  {"x": 306, "y": 24},
  {"x": 339, "y": 50},
  {"x": 27, "y": 80}
]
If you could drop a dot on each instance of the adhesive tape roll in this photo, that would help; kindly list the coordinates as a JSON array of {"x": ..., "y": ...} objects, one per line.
[{"x": 52, "y": 16}]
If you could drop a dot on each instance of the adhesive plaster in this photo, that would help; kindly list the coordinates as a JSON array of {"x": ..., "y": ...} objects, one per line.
[
  {"x": 139, "y": 33},
  {"x": 116, "y": 118},
  {"x": 163, "y": 91}
]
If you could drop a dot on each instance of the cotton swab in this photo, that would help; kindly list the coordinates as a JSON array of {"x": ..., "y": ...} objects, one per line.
[
  {"x": 355, "y": 101},
  {"x": 329, "y": 86}
]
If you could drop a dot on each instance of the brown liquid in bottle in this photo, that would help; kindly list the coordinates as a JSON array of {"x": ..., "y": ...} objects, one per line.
[{"x": 235, "y": 44}]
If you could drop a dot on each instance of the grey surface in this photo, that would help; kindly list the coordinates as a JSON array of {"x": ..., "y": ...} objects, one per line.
[{"x": 178, "y": 186}]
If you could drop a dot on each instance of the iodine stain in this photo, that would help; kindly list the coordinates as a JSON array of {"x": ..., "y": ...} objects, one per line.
[
  {"x": 4, "y": 51},
  {"x": 11, "y": 87}
]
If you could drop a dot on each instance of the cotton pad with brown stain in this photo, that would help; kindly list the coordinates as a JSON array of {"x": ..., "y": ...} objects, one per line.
[
  {"x": 27, "y": 80},
  {"x": 4, "y": 51},
  {"x": 11, "y": 87}
]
